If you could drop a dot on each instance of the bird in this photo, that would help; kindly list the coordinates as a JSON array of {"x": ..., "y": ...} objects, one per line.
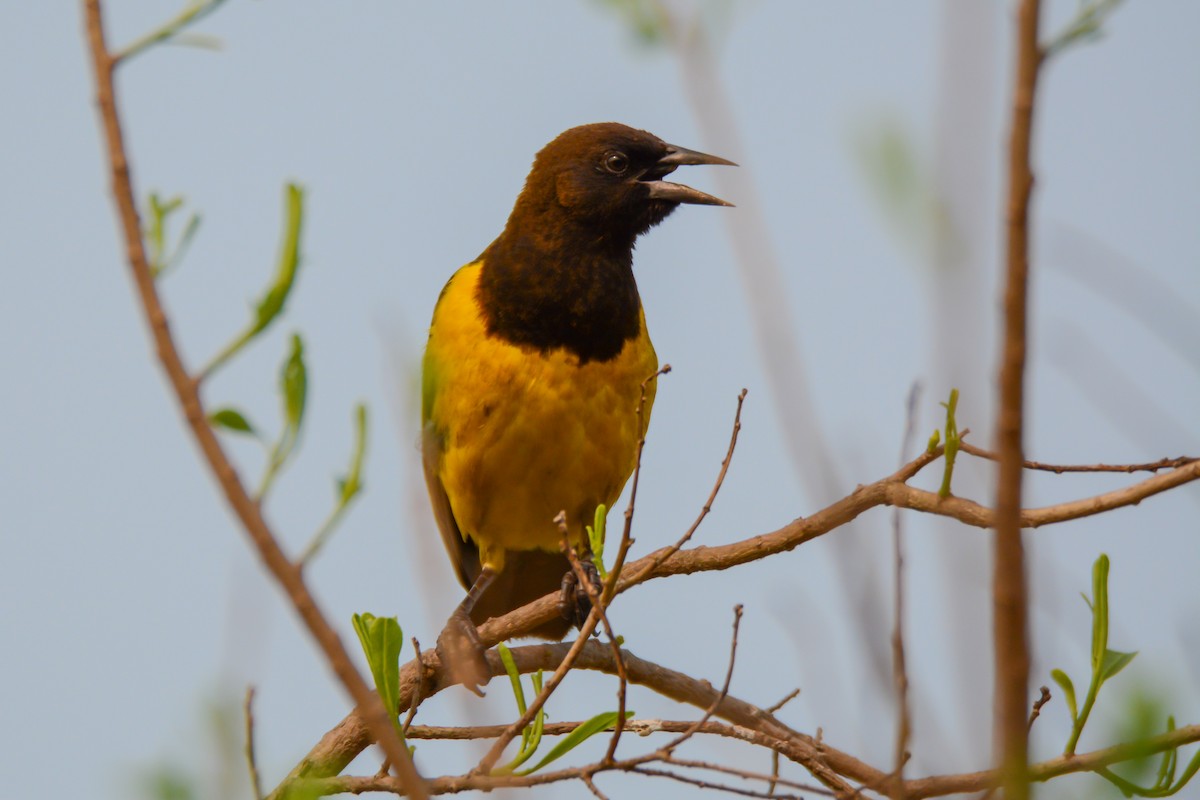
[{"x": 534, "y": 370}]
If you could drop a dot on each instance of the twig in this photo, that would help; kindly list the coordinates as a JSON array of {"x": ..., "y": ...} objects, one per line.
[
  {"x": 733, "y": 643},
  {"x": 703, "y": 784},
  {"x": 415, "y": 703},
  {"x": 627, "y": 531},
  {"x": 251, "y": 763},
  {"x": 1149, "y": 466},
  {"x": 1010, "y": 612},
  {"x": 598, "y": 605},
  {"x": 595, "y": 790},
  {"x": 787, "y": 698},
  {"x": 187, "y": 394},
  {"x": 899, "y": 668},
  {"x": 1037, "y": 706},
  {"x": 192, "y": 14},
  {"x": 490, "y": 758},
  {"x": 712, "y": 495},
  {"x": 748, "y": 775}
]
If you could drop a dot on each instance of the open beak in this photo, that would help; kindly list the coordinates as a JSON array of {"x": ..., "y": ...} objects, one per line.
[{"x": 676, "y": 192}]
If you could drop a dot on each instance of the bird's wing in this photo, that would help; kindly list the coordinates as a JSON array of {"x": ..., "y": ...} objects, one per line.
[{"x": 464, "y": 555}]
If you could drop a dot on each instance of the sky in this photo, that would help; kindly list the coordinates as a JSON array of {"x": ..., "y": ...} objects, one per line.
[{"x": 862, "y": 257}]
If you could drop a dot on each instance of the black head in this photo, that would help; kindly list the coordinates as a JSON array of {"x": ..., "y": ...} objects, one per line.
[
  {"x": 561, "y": 273},
  {"x": 609, "y": 177}
]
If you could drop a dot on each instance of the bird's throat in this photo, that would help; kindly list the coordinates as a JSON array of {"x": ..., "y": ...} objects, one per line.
[{"x": 548, "y": 290}]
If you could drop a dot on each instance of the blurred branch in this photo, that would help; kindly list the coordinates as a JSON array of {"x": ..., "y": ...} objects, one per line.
[
  {"x": 191, "y": 14},
  {"x": 899, "y": 665},
  {"x": 186, "y": 389},
  {"x": 1149, "y": 466},
  {"x": 1010, "y": 597},
  {"x": 1087, "y": 26},
  {"x": 251, "y": 762}
]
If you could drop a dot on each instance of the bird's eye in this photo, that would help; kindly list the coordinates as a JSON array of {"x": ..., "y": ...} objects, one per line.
[{"x": 616, "y": 163}]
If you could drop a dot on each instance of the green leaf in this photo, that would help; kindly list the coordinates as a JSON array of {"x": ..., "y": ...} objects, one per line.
[
  {"x": 1099, "y": 611},
  {"x": 514, "y": 676},
  {"x": 382, "y": 639},
  {"x": 595, "y": 534},
  {"x": 576, "y": 737},
  {"x": 1064, "y": 682},
  {"x": 271, "y": 304},
  {"x": 231, "y": 419},
  {"x": 934, "y": 441},
  {"x": 351, "y": 484},
  {"x": 1113, "y": 662},
  {"x": 293, "y": 381},
  {"x": 1170, "y": 760}
]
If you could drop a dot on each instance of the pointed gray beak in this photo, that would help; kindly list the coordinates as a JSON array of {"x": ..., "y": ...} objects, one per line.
[{"x": 676, "y": 192}]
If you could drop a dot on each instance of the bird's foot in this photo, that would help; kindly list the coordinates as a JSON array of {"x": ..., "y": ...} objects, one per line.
[
  {"x": 574, "y": 603},
  {"x": 462, "y": 652}
]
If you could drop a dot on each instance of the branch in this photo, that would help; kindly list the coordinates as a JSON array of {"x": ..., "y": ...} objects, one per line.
[
  {"x": 340, "y": 745},
  {"x": 187, "y": 394},
  {"x": 1058, "y": 469},
  {"x": 751, "y": 724},
  {"x": 1009, "y": 594}
]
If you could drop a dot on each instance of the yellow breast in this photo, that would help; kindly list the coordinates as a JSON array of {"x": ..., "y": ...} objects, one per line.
[{"x": 525, "y": 434}]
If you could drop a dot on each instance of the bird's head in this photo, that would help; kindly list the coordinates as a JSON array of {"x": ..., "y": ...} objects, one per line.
[{"x": 609, "y": 177}]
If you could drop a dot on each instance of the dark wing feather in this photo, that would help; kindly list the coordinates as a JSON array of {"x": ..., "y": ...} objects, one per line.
[{"x": 464, "y": 555}]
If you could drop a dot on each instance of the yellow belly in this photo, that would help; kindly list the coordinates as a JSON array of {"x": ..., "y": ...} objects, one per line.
[{"x": 524, "y": 435}]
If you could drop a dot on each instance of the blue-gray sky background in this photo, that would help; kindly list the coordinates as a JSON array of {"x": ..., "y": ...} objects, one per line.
[{"x": 129, "y": 601}]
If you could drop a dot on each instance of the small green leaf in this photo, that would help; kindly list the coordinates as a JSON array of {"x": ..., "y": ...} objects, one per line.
[
  {"x": 514, "y": 676},
  {"x": 934, "y": 441},
  {"x": 1099, "y": 611},
  {"x": 598, "y": 723},
  {"x": 595, "y": 534},
  {"x": 351, "y": 484},
  {"x": 293, "y": 381},
  {"x": 1170, "y": 761},
  {"x": 382, "y": 640},
  {"x": 1064, "y": 682},
  {"x": 231, "y": 419},
  {"x": 271, "y": 304},
  {"x": 1114, "y": 661}
]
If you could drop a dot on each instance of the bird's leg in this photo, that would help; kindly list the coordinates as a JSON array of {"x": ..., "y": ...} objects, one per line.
[
  {"x": 459, "y": 646},
  {"x": 574, "y": 603}
]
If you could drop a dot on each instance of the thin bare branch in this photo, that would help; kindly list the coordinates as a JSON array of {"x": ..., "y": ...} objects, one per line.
[
  {"x": 783, "y": 701},
  {"x": 899, "y": 667},
  {"x": 251, "y": 762},
  {"x": 708, "y": 712},
  {"x": 1036, "y": 711},
  {"x": 493, "y": 755},
  {"x": 1149, "y": 466},
  {"x": 1009, "y": 593},
  {"x": 663, "y": 555},
  {"x": 593, "y": 594},
  {"x": 187, "y": 394},
  {"x": 627, "y": 530}
]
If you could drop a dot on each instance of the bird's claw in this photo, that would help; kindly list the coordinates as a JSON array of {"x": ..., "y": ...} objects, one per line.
[
  {"x": 574, "y": 603},
  {"x": 462, "y": 652}
]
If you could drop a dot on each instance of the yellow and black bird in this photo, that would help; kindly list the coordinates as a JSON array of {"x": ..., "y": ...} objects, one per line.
[{"x": 533, "y": 373}]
